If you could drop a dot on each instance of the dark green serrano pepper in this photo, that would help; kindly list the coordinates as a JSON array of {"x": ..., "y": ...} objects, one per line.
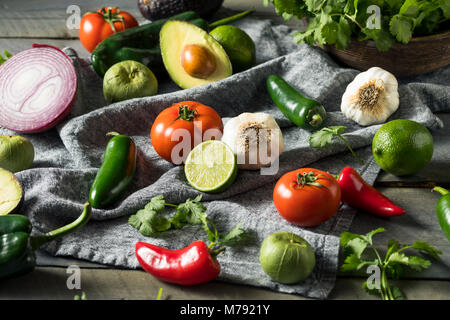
[
  {"x": 304, "y": 112},
  {"x": 115, "y": 173},
  {"x": 443, "y": 210}
]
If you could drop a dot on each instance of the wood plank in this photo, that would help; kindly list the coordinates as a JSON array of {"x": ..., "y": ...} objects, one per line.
[
  {"x": 48, "y": 19},
  {"x": 50, "y": 283}
]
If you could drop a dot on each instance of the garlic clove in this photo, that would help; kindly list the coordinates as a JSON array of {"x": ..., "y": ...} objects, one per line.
[
  {"x": 255, "y": 138},
  {"x": 371, "y": 97}
]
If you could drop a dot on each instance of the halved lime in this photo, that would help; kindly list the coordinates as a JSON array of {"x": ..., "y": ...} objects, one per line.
[{"x": 211, "y": 166}]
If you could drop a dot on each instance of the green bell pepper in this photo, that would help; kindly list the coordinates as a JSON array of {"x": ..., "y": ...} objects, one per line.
[
  {"x": 17, "y": 246},
  {"x": 116, "y": 172},
  {"x": 443, "y": 210},
  {"x": 141, "y": 43},
  {"x": 304, "y": 112}
]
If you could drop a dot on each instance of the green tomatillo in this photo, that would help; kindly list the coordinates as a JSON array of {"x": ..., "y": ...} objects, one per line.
[
  {"x": 127, "y": 80},
  {"x": 286, "y": 257},
  {"x": 16, "y": 153}
]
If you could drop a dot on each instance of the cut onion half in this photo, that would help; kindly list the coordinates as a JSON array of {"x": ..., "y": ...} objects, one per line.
[{"x": 37, "y": 89}]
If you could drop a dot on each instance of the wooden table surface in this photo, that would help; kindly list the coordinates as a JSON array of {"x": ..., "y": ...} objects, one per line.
[{"x": 23, "y": 23}]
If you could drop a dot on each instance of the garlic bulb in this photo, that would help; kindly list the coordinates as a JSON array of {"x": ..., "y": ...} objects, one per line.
[
  {"x": 255, "y": 138},
  {"x": 371, "y": 97}
]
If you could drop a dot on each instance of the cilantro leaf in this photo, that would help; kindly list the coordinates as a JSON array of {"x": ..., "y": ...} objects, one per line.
[
  {"x": 346, "y": 237},
  {"x": 189, "y": 212},
  {"x": 156, "y": 204},
  {"x": 356, "y": 246},
  {"x": 233, "y": 236},
  {"x": 344, "y": 33},
  {"x": 410, "y": 8},
  {"x": 393, "y": 245},
  {"x": 353, "y": 262},
  {"x": 445, "y": 7},
  {"x": 290, "y": 8},
  {"x": 413, "y": 262},
  {"x": 426, "y": 248},
  {"x": 401, "y": 27},
  {"x": 314, "y": 5},
  {"x": 324, "y": 137},
  {"x": 368, "y": 236},
  {"x": 142, "y": 221}
]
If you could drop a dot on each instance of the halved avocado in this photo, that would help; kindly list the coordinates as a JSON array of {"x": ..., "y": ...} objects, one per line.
[
  {"x": 191, "y": 56},
  {"x": 11, "y": 193}
]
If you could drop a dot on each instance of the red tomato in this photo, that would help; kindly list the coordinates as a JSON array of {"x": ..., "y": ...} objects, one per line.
[
  {"x": 180, "y": 127},
  {"x": 97, "y": 26},
  {"x": 307, "y": 197}
]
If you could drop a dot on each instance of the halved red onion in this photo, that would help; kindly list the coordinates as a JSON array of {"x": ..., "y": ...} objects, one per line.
[{"x": 37, "y": 89}]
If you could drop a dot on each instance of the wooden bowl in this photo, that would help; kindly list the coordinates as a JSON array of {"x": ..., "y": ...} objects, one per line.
[{"x": 421, "y": 55}]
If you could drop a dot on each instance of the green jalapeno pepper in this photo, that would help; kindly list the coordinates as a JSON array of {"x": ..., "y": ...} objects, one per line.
[
  {"x": 443, "y": 210},
  {"x": 116, "y": 172},
  {"x": 141, "y": 43},
  {"x": 17, "y": 246},
  {"x": 304, "y": 112}
]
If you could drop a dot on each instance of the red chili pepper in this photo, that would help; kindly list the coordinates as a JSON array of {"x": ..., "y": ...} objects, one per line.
[
  {"x": 359, "y": 194},
  {"x": 194, "y": 264}
]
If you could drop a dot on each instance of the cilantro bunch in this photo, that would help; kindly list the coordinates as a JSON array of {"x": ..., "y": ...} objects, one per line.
[
  {"x": 336, "y": 22},
  {"x": 391, "y": 266},
  {"x": 149, "y": 222}
]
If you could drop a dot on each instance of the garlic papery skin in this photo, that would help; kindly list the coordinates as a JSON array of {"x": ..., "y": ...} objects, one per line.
[
  {"x": 371, "y": 97},
  {"x": 255, "y": 138}
]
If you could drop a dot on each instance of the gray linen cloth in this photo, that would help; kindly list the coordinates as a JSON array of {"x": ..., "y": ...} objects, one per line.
[{"x": 68, "y": 157}]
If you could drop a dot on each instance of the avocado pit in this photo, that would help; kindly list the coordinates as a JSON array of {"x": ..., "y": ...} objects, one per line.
[{"x": 197, "y": 61}]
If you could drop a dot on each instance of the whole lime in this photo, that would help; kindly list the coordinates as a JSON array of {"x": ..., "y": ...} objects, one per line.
[
  {"x": 238, "y": 45},
  {"x": 286, "y": 257},
  {"x": 402, "y": 147},
  {"x": 127, "y": 80},
  {"x": 16, "y": 153}
]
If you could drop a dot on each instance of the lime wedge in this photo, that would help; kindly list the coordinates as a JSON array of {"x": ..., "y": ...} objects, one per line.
[{"x": 211, "y": 166}]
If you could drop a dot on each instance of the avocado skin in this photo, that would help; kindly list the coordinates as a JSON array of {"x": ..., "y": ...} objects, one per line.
[{"x": 160, "y": 9}]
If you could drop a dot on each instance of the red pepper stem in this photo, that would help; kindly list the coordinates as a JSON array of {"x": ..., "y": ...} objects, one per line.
[
  {"x": 215, "y": 253},
  {"x": 441, "y": 190}
]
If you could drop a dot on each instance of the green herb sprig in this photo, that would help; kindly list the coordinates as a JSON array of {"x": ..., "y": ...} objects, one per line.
[
  {"x": 324, "y": 137},
  {"x": 190, "y": 212},
  {"x": 391, "y": 266}
]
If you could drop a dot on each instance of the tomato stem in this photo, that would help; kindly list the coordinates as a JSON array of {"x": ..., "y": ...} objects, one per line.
[
  {"x": 184, "y": 113},
  {"x": 309, "y": 179},
  {"x": 112, "y": 17}
]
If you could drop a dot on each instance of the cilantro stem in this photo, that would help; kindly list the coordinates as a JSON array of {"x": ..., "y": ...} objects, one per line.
[
  {"x": 353, "y": 19},
  {"x": 350, "y": 148},
  {"x": 159, "y": 294},
  {"x": 170, "y": 205},
  {"x": 348, "y": 17},
  {"x": 385, "y": 286}
]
